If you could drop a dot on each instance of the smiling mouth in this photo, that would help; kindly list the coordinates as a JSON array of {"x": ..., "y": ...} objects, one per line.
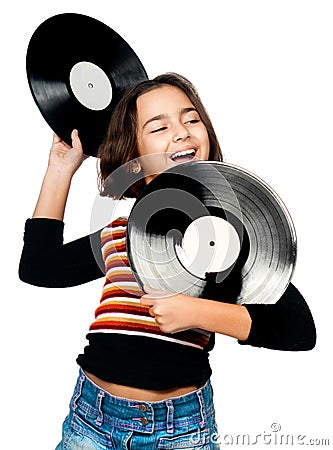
[{"x": 183, "y": 156}]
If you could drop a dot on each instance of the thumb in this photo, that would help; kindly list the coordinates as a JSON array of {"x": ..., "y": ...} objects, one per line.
[
  {"x": 76, "y": 143},
  {"x": 147, "y": 300}
]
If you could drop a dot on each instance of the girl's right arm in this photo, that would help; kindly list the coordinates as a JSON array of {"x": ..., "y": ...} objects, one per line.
[
  {"x": 63, "y": 163},
  {"x": 45, "y": 260}
]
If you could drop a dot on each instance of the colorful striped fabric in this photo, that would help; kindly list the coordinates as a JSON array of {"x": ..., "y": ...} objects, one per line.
[{"x": 120, "y": 310}]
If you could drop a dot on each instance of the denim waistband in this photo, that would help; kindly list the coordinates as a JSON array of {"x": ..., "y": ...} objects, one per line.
[{"x": 187, "y": 410}]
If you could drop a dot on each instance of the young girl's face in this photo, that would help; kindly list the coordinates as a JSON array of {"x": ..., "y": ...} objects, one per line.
[{"x": 170, "y": 130}]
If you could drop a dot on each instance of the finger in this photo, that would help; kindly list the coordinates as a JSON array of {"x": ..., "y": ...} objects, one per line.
[
  {"x": 147, "y": 300},
  {"x": 151, "y": 311},
  {"x": 76, "y": 142},
  {"x": 55, "y": 138}
]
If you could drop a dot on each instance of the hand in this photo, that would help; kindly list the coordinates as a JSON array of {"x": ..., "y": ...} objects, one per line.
[
  {"x": 65, "y": 158},
  {"x": 172, "y": 312}
]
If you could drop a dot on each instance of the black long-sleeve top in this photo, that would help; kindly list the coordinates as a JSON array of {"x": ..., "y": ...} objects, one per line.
[{"x": 141, "y": 355}]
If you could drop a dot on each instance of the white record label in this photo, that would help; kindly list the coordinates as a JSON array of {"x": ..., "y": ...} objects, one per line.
[
  {"x": 90, "y": 85},
  {"x": 210, "y": 244}
]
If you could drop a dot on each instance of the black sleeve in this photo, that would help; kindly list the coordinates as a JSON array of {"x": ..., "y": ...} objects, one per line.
[
  {"x": 285, "y": 325},
  {"x": 46, "y": 261}
]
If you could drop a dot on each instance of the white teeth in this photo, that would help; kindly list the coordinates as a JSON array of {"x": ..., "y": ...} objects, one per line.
[{"x": 183, "y": 153}]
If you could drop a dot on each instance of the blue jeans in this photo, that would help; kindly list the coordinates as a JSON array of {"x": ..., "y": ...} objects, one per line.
[{"x": 100, "y": 421}]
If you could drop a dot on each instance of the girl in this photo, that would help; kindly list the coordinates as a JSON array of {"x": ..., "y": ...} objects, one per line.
[{"x": 144, "y": 377}]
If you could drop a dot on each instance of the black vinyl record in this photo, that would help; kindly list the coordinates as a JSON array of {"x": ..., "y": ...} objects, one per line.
[
  {"x": 212, "y": 230},
  {"x": 78, "y": 68}
]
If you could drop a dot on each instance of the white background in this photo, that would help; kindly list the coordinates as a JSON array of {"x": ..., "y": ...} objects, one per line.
[{"x": 264, "y": 71}]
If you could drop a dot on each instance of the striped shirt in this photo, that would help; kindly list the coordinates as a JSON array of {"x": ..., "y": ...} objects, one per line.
[
  {"x": 120, "y": 310},
  {"x": 136, "y": 360}
]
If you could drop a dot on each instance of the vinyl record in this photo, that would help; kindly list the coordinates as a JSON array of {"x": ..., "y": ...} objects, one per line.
[
  {"x": 212, "y": 230},
  {"x": 78, "y": 68}
]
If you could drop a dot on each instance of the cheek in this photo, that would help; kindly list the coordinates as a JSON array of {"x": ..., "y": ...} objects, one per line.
[
  {"x": 143, "y": 147},
  {"x": 204, "y": 139},
  {"x": 150, "y": 145}
]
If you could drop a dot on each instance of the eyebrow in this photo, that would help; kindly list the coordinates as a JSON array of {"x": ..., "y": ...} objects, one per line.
[{"x": 165, "y": 116}]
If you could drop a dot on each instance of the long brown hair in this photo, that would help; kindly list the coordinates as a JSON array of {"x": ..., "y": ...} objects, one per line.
[{"x": 120, "y": 144}]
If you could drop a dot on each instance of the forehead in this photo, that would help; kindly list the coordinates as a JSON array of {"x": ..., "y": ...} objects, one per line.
[{"x": 166, "y": 100}]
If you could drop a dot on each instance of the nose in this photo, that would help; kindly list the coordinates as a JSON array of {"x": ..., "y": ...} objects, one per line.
[{"x": 180, "y": 133}]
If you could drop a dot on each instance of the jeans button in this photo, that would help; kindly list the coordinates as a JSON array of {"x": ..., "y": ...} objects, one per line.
[
  {"x": 143, "y": 408},
  {"x": 144, "y": 421}
]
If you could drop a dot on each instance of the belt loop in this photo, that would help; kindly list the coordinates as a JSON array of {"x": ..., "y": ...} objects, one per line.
[
  {"x": 202, "y": 408},
  {"x": 170, "y": 414},
  {"x": 78, "y": 392},
  {"x": 100, "y": 416}
]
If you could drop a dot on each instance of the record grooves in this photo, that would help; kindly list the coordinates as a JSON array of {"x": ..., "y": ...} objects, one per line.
[{"x": 218, "y": 201}]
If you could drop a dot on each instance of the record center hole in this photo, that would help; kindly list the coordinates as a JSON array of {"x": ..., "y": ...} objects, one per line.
[{"x": 212, "y": 243}]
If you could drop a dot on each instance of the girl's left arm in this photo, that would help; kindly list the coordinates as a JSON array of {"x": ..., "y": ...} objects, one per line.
[{"x": 285, "y": 325}]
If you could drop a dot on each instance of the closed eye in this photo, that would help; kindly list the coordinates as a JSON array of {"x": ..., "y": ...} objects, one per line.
[
  {"x": 193, "y": 121},
  {"x": 158, "y": 129}
]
